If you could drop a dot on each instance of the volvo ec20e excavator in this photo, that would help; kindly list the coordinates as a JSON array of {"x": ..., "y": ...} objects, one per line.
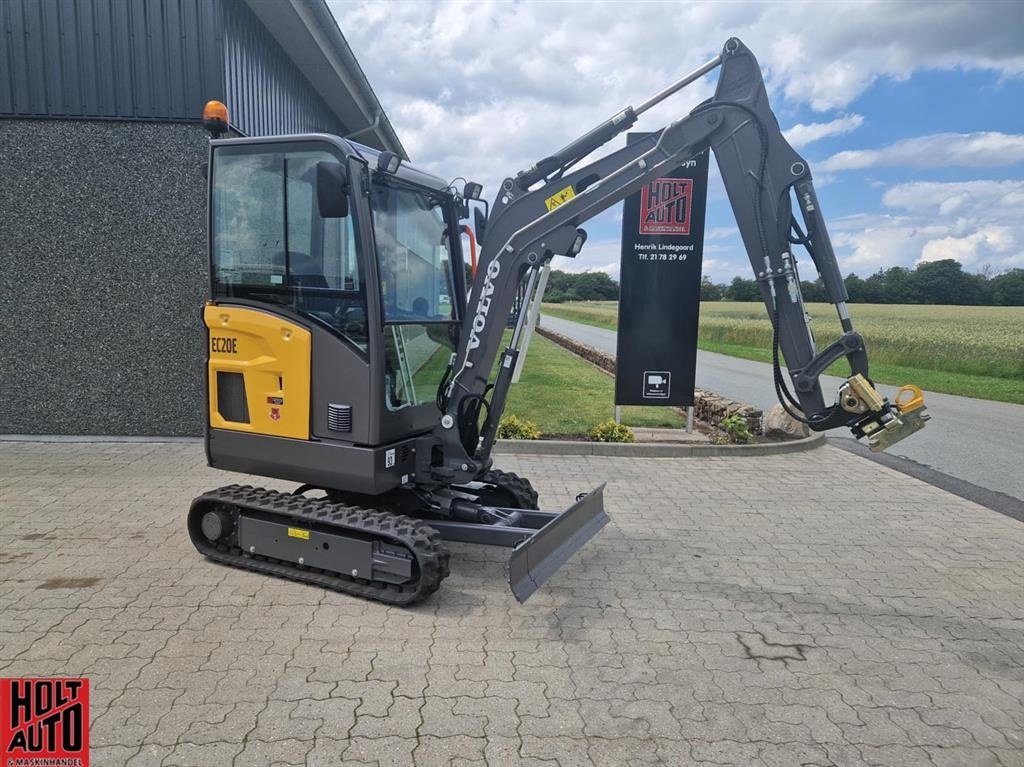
[{"x": 344, "y": 356}]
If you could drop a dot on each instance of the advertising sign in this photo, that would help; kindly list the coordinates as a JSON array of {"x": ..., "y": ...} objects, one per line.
[
  {"x": 44, "y": 721},
  {"x": 662, "y": 248}
]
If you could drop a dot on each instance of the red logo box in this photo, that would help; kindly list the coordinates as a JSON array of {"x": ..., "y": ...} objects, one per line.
[
  {"x": 44, "y": 721},
  {"x": 665, "y": 206}
]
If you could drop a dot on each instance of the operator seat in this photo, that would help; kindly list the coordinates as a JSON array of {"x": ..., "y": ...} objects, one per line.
[
  {"x": 304, "y": 272},
  {"x": 345, "y": 314}
]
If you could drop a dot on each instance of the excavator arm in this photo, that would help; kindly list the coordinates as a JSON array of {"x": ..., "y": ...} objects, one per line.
[{"x": 538, "y": 213}]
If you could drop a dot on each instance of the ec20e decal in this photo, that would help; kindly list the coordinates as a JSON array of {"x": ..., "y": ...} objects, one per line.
[{"x": 223, "y": 345}]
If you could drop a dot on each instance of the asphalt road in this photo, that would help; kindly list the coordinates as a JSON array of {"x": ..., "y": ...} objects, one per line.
[{"x": 979, "y": 441}]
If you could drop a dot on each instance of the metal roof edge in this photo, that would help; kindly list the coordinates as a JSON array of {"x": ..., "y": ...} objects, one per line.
[{"x": 335, "y": 62}]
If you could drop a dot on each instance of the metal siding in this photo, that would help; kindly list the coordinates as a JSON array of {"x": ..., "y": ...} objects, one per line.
[
  {"x": 50, "y": 41},
  {"x": 68, "y": 31},
  {"x": 120, "y": 23},
  {"x": 152, "y": 59},
  {"x": 149, "y": 59},
  {"x": 211, "y": 35},
  {"x": 33, "y": 65},
  {"x": 106, "y": 71},
  {"x": 157, "y": 53},
  {"x": 6, "y": 59},
  {"x": 267, "y": 94},
  {"x": 139, "y": 59},
  {"x": 191, "y": 60},
  {"x": 85, "y": 29}
]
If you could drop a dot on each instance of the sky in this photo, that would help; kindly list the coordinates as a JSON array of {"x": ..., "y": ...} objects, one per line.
[{"x": 910, "y": 115}]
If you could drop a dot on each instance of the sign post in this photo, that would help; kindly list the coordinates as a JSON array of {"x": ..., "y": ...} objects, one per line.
[{"x": 662, "y": 248}]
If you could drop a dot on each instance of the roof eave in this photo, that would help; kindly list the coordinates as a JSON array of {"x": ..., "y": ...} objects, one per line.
[{"x": 310, "y": 36}]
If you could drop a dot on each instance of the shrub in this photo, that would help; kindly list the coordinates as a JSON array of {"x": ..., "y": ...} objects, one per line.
[
  {"x": 609, "y": 431},
  {"x": 735, "y": 426},
  {"x": 514, "y": 427}
]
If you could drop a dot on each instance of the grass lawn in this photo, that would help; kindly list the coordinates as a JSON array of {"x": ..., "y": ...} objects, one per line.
[
  {"x": 565, "y": 395},
  {"x": 973, "y": 351}
]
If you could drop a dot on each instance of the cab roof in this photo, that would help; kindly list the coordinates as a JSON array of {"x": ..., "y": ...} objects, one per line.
[{"x": 405, "y": 172}]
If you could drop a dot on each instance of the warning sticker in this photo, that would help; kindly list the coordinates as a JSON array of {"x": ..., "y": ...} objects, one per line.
[
  {"x": 296, "y": 532},
  {"x": 559, "y": 198},
  {"x": 44, "y": 721}
]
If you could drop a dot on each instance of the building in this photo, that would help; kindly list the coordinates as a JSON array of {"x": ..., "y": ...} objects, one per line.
[{"x": 102, "y": 194}]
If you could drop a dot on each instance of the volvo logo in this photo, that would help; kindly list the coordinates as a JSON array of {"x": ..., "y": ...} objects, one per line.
[{"x": 483, "y": 306}]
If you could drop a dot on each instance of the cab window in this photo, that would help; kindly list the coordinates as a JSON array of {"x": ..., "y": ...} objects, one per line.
[
  {"x": 414, "y": 255},
  {"x": 411, "y": 228},
  {"x": 270, "y": 244}
]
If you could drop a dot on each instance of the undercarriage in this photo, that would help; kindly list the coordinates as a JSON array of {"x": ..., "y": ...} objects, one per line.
[{"x": 392, "y": 548}]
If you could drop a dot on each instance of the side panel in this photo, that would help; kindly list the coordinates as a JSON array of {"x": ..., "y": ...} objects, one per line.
[
  {"x": 259, "y": 371},
  {"x": 369, "y": 470},
  {"x": 341, "y": 376}
]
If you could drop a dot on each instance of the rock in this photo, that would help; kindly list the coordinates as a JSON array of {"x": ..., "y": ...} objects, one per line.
[{"x": 778, "y": 424}]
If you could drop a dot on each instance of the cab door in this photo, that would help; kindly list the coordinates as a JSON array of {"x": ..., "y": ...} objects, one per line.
[
  {"x": 417, "y": 251},
  {"x": 288, "y": 327}
]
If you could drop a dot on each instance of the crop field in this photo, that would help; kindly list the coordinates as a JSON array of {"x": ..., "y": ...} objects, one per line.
[{"x": 973, "y": 351}]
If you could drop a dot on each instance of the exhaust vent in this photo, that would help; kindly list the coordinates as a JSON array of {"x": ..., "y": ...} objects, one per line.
[
  {"x": 231, "y": 402},
  {"x": 339, "y": 417}
]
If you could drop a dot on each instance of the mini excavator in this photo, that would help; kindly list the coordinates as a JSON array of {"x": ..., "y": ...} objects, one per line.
[{"x": 344, "y": 356}]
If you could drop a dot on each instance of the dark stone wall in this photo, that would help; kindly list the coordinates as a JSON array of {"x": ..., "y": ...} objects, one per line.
[{"x": 104, "y": 273}]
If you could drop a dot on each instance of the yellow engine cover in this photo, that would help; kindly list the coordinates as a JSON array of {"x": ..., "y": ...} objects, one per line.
[{"x": 272, "y": 356}]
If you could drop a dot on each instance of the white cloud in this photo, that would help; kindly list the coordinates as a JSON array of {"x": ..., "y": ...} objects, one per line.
[
  {"x": 801, "y": 134},
  {"x": 978, "y": 223},
  {"x": 718, "y": 270},
  {"x": 995, "y": 240},
  {"x": 939, "y": 150},
  {"x": 483, "y": 89},
  {"x": 719, "y": 233},
  {"x": 961, "y": 198},
  {"x": 486, "y": 88}
]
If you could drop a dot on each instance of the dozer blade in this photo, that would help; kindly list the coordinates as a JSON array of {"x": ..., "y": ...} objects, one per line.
[{"x": 538, "y": 557}]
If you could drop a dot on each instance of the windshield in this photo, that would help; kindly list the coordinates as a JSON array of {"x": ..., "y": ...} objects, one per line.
[{"x": 413, "y": 254}]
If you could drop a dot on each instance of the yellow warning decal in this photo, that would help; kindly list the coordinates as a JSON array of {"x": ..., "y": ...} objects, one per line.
[
  {"x": 294, "y": 532},
  {"x": 559, "y": 198}
]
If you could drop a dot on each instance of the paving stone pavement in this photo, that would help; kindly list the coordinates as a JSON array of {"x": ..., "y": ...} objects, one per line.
[{"x": 808, "y": 609}]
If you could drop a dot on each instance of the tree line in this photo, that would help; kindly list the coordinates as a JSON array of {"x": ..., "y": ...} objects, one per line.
[
  {"x": 581, "y": 286},
  {"x": 932, "y": 282}
]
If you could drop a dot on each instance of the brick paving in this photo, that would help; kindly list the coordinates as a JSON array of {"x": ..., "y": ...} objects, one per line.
[{"x": 809, "y": 609}]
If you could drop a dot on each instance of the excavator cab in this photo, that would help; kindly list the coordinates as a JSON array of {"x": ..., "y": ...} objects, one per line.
[
  {"x": 331, "y": 320},
  {"x": 334, "y": 316}
]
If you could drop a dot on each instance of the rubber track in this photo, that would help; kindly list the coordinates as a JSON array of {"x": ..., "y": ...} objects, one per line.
[
  {"x": 519, "y": 487},
  {"x": 421, "y": 540}
]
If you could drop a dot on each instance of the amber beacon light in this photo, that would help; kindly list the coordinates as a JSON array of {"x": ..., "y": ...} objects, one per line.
[{"x": 215, "y": 118}]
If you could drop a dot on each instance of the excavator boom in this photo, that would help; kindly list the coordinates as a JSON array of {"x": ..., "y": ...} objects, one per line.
[{"x": 538, "y": 213}]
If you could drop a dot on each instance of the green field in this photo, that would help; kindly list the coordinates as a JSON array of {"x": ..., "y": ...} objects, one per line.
[{"x": 973, "y": 351}]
